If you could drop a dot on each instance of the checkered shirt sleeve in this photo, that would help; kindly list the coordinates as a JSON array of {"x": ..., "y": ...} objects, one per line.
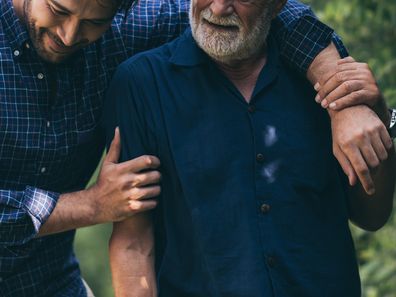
[
  {"x": 301, "y": 36},
  {"x": 22, "y": 213}
]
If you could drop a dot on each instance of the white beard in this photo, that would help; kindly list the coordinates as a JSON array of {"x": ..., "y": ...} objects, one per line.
[{"x": 230, "y": 45}]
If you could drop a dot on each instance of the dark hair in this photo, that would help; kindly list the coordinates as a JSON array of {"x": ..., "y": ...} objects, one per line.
[{"x": 111, "y": 3}]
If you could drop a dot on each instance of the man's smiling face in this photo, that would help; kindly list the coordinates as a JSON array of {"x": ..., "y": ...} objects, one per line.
[{"x": 59, "y": 28}]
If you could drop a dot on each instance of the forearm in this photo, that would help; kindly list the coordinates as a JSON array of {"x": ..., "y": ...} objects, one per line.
[
  {"x": 131, "y": 249},
  {"x": 372, "y": 212},
  {"x": 325, "y": 65},
  {"x": 73, "y": 210}
]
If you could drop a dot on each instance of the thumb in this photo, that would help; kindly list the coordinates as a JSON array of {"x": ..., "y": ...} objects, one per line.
[{"x": 115, "y": 147}]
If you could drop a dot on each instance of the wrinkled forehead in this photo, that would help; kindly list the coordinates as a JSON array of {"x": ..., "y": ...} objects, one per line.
[{"x": 89, "y": 8}]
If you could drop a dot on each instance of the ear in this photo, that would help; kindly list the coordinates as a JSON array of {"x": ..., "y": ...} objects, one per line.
[{"x": 279, "y": 4}]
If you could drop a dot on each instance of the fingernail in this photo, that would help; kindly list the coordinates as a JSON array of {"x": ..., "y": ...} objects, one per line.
[
  {"x": 324, "y": 103},
  {"x": 332, "y": 105},
  {"x": 371, "y": 191},
  {"x": 317, "y": 98},
  {"x": 317, "y": 86}
]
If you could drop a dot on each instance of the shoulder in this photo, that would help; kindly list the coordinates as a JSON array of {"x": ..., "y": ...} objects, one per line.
[{"x": 150, "y": 62}]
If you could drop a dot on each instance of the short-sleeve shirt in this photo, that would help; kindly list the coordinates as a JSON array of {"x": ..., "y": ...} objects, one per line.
[{"x": 253, "y": 202}]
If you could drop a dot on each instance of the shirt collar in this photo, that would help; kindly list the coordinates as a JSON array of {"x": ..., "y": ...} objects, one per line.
[
  {"x": 12, "y": 26},
  {"x": 187, "y": 52}
]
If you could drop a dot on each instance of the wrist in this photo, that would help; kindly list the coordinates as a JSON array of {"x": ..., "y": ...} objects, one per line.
[
  {"x": 92, "y": 212},
  {"x": 324, "y": 65}
]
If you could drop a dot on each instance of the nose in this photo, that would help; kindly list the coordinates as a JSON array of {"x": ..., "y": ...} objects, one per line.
[
  {"x": 222, "y": 7},
  {"x": 68, "y": 32}
]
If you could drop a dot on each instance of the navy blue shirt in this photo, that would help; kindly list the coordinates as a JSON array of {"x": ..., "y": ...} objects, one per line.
[{"x": 253, "y": 202}]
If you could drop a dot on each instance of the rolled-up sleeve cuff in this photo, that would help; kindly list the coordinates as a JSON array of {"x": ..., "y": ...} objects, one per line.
[
  {"x": 339, "y": 45},
  {"x": 39, "y": 204},
  {"x": 306, "y": 39}
]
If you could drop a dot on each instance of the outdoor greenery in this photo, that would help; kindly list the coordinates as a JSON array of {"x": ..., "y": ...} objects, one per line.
[{"x": 368, "y": 28}]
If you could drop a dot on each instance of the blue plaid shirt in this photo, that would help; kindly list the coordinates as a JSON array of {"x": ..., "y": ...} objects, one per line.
[{"x": 50, "y": 132}]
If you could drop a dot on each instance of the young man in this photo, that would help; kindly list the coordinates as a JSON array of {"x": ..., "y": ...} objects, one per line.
[
  {"x": 57, "y": 57},
  {"x": 253, "y": 202}
]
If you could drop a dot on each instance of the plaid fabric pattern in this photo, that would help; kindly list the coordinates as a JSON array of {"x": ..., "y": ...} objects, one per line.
[{"x": 50, "y": 134}]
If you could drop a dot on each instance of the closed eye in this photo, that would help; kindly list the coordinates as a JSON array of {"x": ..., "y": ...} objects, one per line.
[{"x": 57, "y": 11}]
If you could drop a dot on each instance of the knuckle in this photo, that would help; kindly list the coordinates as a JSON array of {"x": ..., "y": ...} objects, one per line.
[
  {"x": 135, "y": 194},
  {"x": 339, "y": 77},
  {"x": 347, "y": 86},
  {"x": 136, "y": 181},
  {"x": 363, "y": 170},
  {"x": 135, "y": 205},
  {"x": 148, "y": 160}
]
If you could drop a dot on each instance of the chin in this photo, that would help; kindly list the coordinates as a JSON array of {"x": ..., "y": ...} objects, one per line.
[{"x": 50, "y": 57}]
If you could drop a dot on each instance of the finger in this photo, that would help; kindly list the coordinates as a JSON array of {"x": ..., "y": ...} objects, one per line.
[
  {"x": 348, "y": 59},
  {"x": 345, "y": 165},
  {"x": 337, "y": 80},
  {"x": 362, "y": 171},
  {"x": 370, "y": 155},
  {"x": 144, "y": 193},
  {"x": 114, "y": 151},
  {"x": 379, "y": 147},
  {"x": 386, "y": 139},
  {"x": 138, "y": 206},
  {"x": 355, "y": 98},
  {"x": 140, "y": 163},
  {"x": 337, "y": 95},
  {"x": 146, "y": 178}
]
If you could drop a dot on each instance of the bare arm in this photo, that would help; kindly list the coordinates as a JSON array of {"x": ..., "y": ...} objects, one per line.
[
  {"x": 369, "y": 212},
  {"x": 131, "y": 250},
  {"x": 325, "y": 67},
  {"x": 360, "y": 140},
  {"x": 121, "y": 191}
]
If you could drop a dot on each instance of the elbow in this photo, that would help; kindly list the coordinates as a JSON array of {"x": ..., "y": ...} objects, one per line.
[{"x": 373, "y": 223}]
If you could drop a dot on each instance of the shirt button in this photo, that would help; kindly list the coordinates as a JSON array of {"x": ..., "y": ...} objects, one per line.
[
  {"x": 48, "y": 124},
  {"x": 265, "y": 208},
  {"x": 17, "y": 53},
  {"x": 27, "y": 45},
  {"x": 260, "y": 158},
  {"x": 43, "y": 169},
  {"x": 271, "y": 261},
  {"x": 252, "y": 108},
  {"x": 40, "y": 76}
]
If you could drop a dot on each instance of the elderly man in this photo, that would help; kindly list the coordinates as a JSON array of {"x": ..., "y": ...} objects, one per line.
[
  {"x": 253, "y": 202},
  {"x": 57, "y": 58}
]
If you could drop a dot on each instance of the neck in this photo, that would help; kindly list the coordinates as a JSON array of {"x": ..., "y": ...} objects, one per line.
[
  {"x": 244, "y": 73},
  {"x": 18, "y": 7}
]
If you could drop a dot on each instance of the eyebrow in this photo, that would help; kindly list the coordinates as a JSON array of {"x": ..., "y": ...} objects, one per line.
[{"x": 61, "y": 7}]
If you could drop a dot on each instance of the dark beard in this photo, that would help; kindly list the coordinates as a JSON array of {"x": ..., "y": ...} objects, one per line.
[{"x": 36, "y": 35}]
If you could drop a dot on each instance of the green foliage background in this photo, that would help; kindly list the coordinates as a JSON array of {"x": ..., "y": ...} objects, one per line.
[{"x": 368, "y": 28}]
